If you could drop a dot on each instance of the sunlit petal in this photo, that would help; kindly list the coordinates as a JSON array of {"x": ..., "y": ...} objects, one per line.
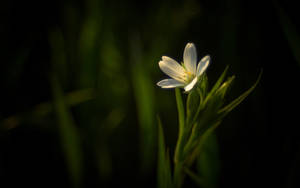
[
  {"x": 170, "y": 83},
  {"x": 203, "y": 64},
  {"x": 172, "y": 68},
  {"x": 190, "y": 58},
  {"x": 191, "y": 84}
]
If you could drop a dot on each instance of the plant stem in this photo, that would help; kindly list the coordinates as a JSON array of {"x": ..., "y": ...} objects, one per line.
[
  {"x": 179, "y": 175},
  {"x": 180, "y": 109}
]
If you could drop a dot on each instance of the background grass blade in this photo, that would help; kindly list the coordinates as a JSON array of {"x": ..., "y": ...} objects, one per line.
[
  {"x": 164, "y": 178},
  {"x": 144, "y": 97},
  {"x": 68, "y": 133},
  {"x": 40, "y": 111}
]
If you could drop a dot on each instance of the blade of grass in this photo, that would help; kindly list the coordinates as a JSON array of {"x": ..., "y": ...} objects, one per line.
[
  {"x": 69, "y": 135},
  {"x": 164, "y": 178},
  {"x": 217, "y": 84},
  {"x": 192, "y": 102},
  {"x": 189, "y": 161},
  {"x": 40, "y": 111},
  {"x": 225, "y": 86},
  {"x": 144, "y": 96},
  {"x": 238, "y": 100}
]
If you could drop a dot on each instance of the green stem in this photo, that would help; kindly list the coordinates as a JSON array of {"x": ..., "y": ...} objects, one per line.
[
  {"x": 178, "y": 175},
  {"x": 178, "y": 165},
  {"x": 180, "y": 109}
]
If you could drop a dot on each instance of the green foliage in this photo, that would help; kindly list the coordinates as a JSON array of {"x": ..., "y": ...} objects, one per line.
[
  {"x": 225, "y": 110},
  {"x": 90, "y": 57},
  {"x": 192, "y": 103},
  {"x": 218, "y": 83},
  {"x": 164, "y": 177},
  {"x": 181, "y": 115},
  {"x": 208, "y": 164},
  {"x": 68, "y": 133},
  {"x": 197, "y": 142},
  {"x": 144, "y": 96}
]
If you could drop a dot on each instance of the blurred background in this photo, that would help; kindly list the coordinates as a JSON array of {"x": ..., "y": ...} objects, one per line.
[{"x": 79, "y": 96}]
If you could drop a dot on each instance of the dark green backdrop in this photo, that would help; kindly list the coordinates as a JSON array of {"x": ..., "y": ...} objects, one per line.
[{"x": 79, "y": 96}]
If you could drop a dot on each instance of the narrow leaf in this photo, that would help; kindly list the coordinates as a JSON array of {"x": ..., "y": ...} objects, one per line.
[
  {"x": 192, "y": 104},
  {"x": 219, "y": 81},
  {"x": 238, "y": 100},
  {"x": 208, "y": 162},
  {"x": 206, "y": 118},
  {"x": 70, "y": 139},
  {"x": 164, "y": 178},
  {"x": 40, "y": 111},
  {"x": 203, "y": 85},
  {"x": 144, "y": 97},
  {"x": 224, "y": 87},
  {"x": 201, "y": 141}
]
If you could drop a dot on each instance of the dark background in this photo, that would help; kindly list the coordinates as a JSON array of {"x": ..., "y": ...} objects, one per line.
[{"x": 110, "y": 49}]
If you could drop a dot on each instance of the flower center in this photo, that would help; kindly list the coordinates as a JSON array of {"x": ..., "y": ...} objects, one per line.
[{"x": 189, "y": 76}]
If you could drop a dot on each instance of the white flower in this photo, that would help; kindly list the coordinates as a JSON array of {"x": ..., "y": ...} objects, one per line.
[{"x": 185, "y": 75}]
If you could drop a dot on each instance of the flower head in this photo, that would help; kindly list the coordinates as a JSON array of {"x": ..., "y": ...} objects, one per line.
[{"x": 185, "y": 75}]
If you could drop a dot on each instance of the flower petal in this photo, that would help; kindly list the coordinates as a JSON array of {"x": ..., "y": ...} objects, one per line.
[
  {"x": 169, "y": 83},
  {"x": 190, "y": 58},
  {"x": 191, "y": 84},
  {"x": 172, "y": 68},
  {"x": 203, "y": 64}
]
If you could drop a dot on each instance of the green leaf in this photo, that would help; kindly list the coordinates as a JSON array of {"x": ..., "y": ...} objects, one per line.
[
  {"x": 203, "y": 85},
  {"x": 206, "y": 116},
  {"x": 144, "y": 97},
  {"x": 219, "y": 81},
  {"x": 70, "y": 138},
  {"x": 192, "y": 103},
  {"x": 164, "y": 177},
  {"x": 225, "y": 110},
  {"x": 40, "y": 112},
  {"x": 224, "y": 87},
  {"x": 216, "y": 86},
  {"x": 208, "y": 162},
  {"x": 200, "y": 143},
  {"x": 207, "y": 119},
  {"x": 195, "y": 104}
]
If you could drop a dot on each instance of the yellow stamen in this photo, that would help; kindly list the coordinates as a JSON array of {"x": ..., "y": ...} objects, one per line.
[{"x": 189, "y": 76}]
